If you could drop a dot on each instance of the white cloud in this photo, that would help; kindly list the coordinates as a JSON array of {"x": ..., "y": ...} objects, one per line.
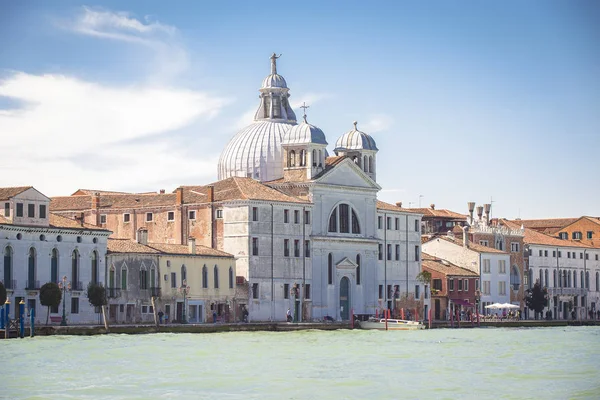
[{"x": 376, "y": 123}]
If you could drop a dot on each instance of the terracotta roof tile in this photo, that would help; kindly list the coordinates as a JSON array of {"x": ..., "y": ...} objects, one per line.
[
  {"x": 535, "y": 237},
  {"x": 9, "y": 192},
  {"x": 441, "y": 213},
  {"x": 128, "y": 246},
  {"x": 444, "y": 267},
  {"x": 550, "y": 225},
  {"x": 89, "y": 192},
  {"x": 381, "y": 205},
  {"x": 59, "y": 221},
  {"x": 132, "y": 246},
  {"x": 472, "y": 246}
]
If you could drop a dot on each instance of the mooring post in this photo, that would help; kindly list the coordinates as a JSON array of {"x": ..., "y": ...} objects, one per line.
[
  {"x": 32, "y": 324},
  {"x": 22, "y": 319},
  {"x": 2, "y": 318},
  {"x": 7, "y": 319}
]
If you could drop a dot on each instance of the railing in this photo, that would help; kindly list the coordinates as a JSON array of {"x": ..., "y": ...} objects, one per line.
[
  {"x": 32, "y": 285},
  {"x": 10, "y": 284},
  {"x": 155, "y": 291},
  {"x": 515, "y": 286},
  {"x": 76, "y": 286},
  {"x": 112, "y": 293},
  {"x": 557, "y": 291}
]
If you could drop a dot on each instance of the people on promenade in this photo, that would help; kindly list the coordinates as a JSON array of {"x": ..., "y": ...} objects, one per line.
[
  {"x": 160, "y": 316},
  {"x": 289, "y": 315}
]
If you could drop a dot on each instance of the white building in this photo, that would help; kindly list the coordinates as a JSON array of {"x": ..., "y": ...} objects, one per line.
[
  {"x": 316, "y": 242},
  {"x": 491, "y": 264},
  {"x": 40, "y": 247}
]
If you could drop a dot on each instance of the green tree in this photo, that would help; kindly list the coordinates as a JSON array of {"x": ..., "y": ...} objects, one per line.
[
  {"x": 50, "y": 296},
  {"x": 424, "y": 277},
  {"x": 2, "y": 294},
  {"x": 96, "y": 294},
  {"x": 537, "y": 298}
]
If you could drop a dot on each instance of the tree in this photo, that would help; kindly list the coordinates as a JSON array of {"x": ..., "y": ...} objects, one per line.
[
  {"x": 2, "y": 294},
  {"x": 424, "y": 277},
  {"x": 537, "y": 298},
  {"x": 96, "y": 294},
  {"x": 50, "y": 296}
]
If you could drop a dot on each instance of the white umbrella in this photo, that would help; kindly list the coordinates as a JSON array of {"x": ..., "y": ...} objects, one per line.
[
  {"x": 508, "y": 305},
  {"x": 495, "y": 305}
]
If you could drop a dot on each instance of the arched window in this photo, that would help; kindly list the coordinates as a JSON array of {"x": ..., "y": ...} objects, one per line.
[
  {"x": 292, "y": 159},
  {"x": 366, "y": 164},
  {"x": 564, "y": 275},
  {"x": 54, "y": 266},
  {"x": 152, "y": 278},
  {"x": 183, "y": 275},
  {"x": 75, "y": 271},
  {"x": 587, "y": 279},
  {"x": 574, "y": 279},
  {"x": 216, "y": 278},
  {"x": 314, "y": 158},
  {"x": 204, "y": 277},
  {"x": 302, "y": 158},
  {"x": 569, "y": 279},
  {"x": 111, "y": 278},
  {"x": 515, "y": 278},
  {"x": 123, "y": 277},
  {"x": 230, "y": 277},
  {"x": 330, "y": 269},
  {"x": 531, "y": 282},
  {"x": 8, "y": 261},
  {"x": 320, "y": 158},
  {"x": 347, "y": 217},
  {"x": 541, "y": 277},
  {"x": 94, "y": 267},
  {"x": 371, "y": 164},
  {"x": 31, "y": 284},
  {"x": 581, "y": 280},
  {"x": 597, "y": 281},
  {"x": 554, "y": 278},
  {"x": 358, "y": 269},
  {"x": 546, "y": 280},
  {"x": 143, "y": 278}
]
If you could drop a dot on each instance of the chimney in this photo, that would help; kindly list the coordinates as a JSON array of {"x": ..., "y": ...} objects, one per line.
[
  {"x": 162, "y": 191},
  {"x": 465, "y": 236},
  {"x": 179, "y": 198},
  {"x": 471, "y": 206},
  {"x": 399, "y": 204},
  {"x": 480, "y": 212},
  {"x": 142, "y": 236},
  {"x": 432, "y": 206},
  {"x": 487, "y": 208},
  {"x": 95, "y": 201},
  {"x": 192, "y": 245},
  {"x": 211, "y": 193}
]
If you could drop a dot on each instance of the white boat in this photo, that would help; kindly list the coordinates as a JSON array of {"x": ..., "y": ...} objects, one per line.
[{"x": 392, "y": 324}]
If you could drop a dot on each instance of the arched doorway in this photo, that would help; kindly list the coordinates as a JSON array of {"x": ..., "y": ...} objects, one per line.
[{"x": 345, "y": 299}]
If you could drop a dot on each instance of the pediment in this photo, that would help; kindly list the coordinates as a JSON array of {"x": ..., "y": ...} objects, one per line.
[
  {"x": 346, "y": 263},
  {"x": 347, "y": 173}
]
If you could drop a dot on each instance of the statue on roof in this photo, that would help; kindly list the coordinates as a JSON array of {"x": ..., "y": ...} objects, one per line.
[{"x": 274, "y": 58}]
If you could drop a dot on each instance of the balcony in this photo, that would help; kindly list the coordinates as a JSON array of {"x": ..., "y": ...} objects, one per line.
[
  {"x": 155, "y": 291},
  {"x": 10, "y": 284},
  {"x": 112, "y": 293},
  {"x": 558, "y": 291},
  {"x": 76, "y": 286},
  {"x": 32, "y": 285}
]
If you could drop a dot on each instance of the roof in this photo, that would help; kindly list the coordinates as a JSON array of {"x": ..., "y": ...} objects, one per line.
[
  {"x": 444, "y": 267},
  {"x": 132, "y": 246},
  {"x": 355, "y": 140},
  {"x": 10, "y": 192},
  {"x": 80, "y": 192},
  {"x": 471, "y": 245},
  {"x": 548, "y": 226},
  {"x": 442, "y": 213},
  {"x": 381, "y": 205},
  {"x": 595, "y": 220},
  {"x": 304, "y": 133},
  {"x": 59, "y": 222},
  {"x": 125, "y": 200},
  {"x": 535, "y": 237}
]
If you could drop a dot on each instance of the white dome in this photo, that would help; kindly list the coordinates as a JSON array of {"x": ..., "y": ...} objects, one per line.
[
  {"x": 355, "y": 140},
  {"x": 255, "y": 152},
  {"x": 304, "y": 133},
  {"x": 274, "y": 81}
]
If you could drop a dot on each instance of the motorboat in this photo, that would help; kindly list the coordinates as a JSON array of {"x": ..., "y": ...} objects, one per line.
[{"x": 391, "y": 324}]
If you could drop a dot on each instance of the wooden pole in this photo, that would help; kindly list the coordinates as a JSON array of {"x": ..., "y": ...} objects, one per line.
[
  {"x": 105, "y": 320},
  {"x": 430, "y": 318},
  {"x": 155, "y": 312},
  {"x": 386, "y": 318}
]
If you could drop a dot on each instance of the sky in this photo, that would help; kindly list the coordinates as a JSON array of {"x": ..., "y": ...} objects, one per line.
[{"x": 468, "y": 101}]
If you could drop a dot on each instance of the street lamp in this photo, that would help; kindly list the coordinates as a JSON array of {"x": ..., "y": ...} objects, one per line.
[
  {"x": 185, "y": 289},
  {"x": 65, "y": 287}
]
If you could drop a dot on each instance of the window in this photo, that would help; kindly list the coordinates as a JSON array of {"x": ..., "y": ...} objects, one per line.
[
  {"x": 307, "y": 291},
  {"x": 417, "y": 290},
  {"x": 502, "y": 266},
  {"x": 171, "y": 216},
  {"x": 380, "y": 252},
  {"x": 502, "y": 288},
  {"x": 7, "y": 209},
  {"x": 216, "y": 277},
  {"x": 381, "y": 291},
  {"x": 563, "y": 235},
  {"x": 31, "y": 210},
  {"x": 484, "y": 243},
  {"x": 358, "y": 269},
  {"x": 460, "y": 285},
  {"x": 417, "y": 253},
  {"x": 230, "y": 277},
  {"x": 486, "y": 287},
  {"x": 255, "y": 214},
  {"x": 389, "y": 251},
  {"x": 476, "y": 284},
  {"x": 389, "y": 223},
  {"x": 74, "y": 305},
  {"x": 220, "y": 213},
  {"x": 286, "y": 216},
  {"x": 95, "y": 267},
  {"x": 103, "y": 219},
  {"x": 192, "y": 214},
  {"x": 254, "y": 246},
  {"x": 466, "y": 285},
  {"x": 514, "y": 247},
  {"x": 75, "y": 270},
  {"x": 144, "y": 309},
  {"x": 296, "y": 248},
  {"x": 31, "y": 273},
  {"x": 330, "y": 269},
  {"x": 437, "y": 284},
  {"x": 42, "y": 211},
  {"x": 589, "y": 235},
  {"x": 255, "y": 290},
  {"x": 397, "y": 222},
  {"x": 173, "y": 279},
  {"x": 286, "y": 290},
  {"x": 451, "y": 285},
  {"x": 596, "y": 257},
  {"x": 416, "y": 225},
  {"x": 559, "y": 254},
  {"x": 126, "y": 217},
  {"x": 123, "y": 278},
  {"x": 569, "y": 254},
  {"x": 576, "y": 235},
  {"x": 545, "y": 253},
  {"x": 587, "y": 256},
  {"x": 296, "y": 216},
  {"x": 204, "y": 277},
  {"x": 307, "y": 248},
  {"x": 143, "y": 279},
  {"x": 19, "y": 209},
  {"x": 149, "y": 217},
  {"x": 540, "y": 253},
  {"x": 307, "y": 217},
  {"x": 379, "y": 222},
  {"x": 554, "y": 253},
  {"x": 486, "y": 266},
  {"x": 286, "y": 247},
  {"x": 397, "y": 252},
  {"x": 54, "y": 266},
  {"x": 183, "y": 275}
]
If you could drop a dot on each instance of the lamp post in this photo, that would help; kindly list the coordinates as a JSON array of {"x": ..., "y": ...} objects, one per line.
[
  {"x": 185, "y": 289},
  {"x": 65, "y": 287}
]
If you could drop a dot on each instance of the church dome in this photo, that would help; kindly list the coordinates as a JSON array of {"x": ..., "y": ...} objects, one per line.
[
  {"x": 304, "y": 133},
  {"x": 355, "y": 140},
  {"x": 274, "y": 81}
]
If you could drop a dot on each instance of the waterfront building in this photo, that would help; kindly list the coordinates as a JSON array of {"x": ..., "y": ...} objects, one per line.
[
  {"x": 584, "y": 230},
  {"x": 490, "y": 264},
  {"x": 439, "y": 221},
  {"x": 188, "y": 282},
  {"x": 452, "y": 287},
  {"x": 39, "y": 246}
]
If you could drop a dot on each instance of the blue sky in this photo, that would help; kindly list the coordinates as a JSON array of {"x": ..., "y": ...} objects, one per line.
[{"x": 466, "y": 100}]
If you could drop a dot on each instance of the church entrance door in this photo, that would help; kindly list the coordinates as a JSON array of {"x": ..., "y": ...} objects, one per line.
[{"x": 345, "y": 299}]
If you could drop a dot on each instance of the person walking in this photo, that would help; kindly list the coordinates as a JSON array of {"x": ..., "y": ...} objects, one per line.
[
  {"x": 289, "y": 315},
  {"x": 160, "y": 316}
]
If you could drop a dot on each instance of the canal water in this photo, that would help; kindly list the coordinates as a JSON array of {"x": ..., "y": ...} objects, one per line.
[{"x": 548, "y": 363}]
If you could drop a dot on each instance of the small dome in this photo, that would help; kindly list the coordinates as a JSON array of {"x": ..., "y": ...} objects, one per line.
[
  {"x": 355, "y": 140},
  {"x": 274, "y": 81},
  {"x": 304, "y": 133}
]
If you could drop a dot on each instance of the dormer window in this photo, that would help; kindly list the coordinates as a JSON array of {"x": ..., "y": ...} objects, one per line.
[
  {"x": 31, "y": 210},
  {"x": 42, "y": 211},
  {"x": 342, "y": 219},
  {"x": 7, "y": 209}
]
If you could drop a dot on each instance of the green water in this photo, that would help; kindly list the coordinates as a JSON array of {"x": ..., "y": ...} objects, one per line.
[{"x": 548, "y": 363}]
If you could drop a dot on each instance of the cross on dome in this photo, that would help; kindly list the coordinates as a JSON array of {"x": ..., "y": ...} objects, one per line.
[{"x": 304, "y": 106}]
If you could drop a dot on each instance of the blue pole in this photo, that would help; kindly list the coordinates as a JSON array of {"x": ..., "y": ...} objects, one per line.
[
  {"x": 32, "y": 325},
  {"x": 1, "y": 318},
  {"x": 22, "y": 319},
  {"x": 7, "y": 314}
]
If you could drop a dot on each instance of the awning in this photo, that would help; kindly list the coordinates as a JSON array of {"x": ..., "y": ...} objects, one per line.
[{"x": 462, "y": 303}]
